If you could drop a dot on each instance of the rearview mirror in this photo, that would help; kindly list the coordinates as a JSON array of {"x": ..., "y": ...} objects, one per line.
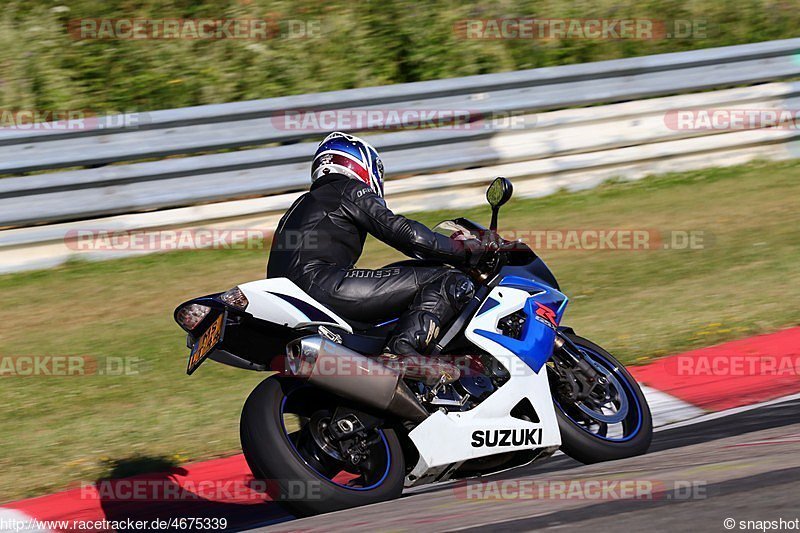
[{"x": 499, "y": 192}]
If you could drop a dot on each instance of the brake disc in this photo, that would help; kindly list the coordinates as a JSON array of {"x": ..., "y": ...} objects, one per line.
[{"x": 609, "y": 383}]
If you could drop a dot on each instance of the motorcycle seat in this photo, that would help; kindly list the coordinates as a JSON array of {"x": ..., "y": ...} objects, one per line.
[{"x": 367, "y": 338}]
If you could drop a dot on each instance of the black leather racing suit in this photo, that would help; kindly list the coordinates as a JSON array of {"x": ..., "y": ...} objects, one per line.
[{"x": 320, "y": 238}]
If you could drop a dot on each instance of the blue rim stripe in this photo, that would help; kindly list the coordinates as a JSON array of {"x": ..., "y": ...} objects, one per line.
[
  {"x": 633, "y": 397},
  {"x": 297, "y": 453}
]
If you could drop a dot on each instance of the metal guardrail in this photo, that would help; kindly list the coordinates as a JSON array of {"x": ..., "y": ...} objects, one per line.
[
  {"x": 116, "y": 189},
  {"x": 561, "y": 145}
]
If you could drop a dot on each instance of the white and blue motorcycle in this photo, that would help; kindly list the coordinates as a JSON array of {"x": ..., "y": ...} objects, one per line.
[{"x": 337, "y": 426}]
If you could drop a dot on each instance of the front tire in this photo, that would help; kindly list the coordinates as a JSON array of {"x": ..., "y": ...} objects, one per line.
[
  {"x": 290, "y": 479},
  {"x": 579, "y": 438}
]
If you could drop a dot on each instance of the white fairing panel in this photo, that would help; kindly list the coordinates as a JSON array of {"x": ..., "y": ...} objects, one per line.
[
  {"x": 449, "y": 438},
  {"x": 280, "y": 301}
]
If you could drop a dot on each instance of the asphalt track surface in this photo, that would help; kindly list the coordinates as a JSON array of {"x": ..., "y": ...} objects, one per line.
[{"x": 743, "y": 466}]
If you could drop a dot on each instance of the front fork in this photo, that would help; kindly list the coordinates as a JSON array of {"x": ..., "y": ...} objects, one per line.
[{"x": 579, "y": 376}]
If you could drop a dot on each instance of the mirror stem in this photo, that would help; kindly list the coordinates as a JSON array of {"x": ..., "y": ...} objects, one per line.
[{"x": 493, "y": 225}]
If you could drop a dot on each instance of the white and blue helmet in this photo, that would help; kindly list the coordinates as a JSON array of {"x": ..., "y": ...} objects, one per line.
[{"x": 340, "y": 153}]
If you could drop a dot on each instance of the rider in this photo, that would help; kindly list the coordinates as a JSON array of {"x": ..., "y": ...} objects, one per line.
[{"x": 320, "y": 238}]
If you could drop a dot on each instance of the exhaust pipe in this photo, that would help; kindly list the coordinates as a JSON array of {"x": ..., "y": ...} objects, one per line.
[{"x": 368, "y": 381}]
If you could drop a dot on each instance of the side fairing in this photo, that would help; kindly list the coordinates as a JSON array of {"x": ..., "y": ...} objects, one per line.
[
  {"x": 280, "y": 301},
  {"x": 449, "y": 438}
]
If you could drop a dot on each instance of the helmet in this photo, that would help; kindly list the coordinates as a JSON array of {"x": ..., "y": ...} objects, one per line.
[{"x": 341, "y": 153}]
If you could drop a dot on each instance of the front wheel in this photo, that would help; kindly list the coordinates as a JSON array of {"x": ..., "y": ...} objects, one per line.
[
  {"x": 287, "y": 444},
  {"x": 613, "y": 422}
]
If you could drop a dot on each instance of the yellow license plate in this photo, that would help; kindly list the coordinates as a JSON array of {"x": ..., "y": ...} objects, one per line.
[{"x": 206, "y": 343}]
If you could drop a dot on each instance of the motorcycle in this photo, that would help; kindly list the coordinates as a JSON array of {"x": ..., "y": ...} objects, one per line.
[{"x": 336, "y": 426}]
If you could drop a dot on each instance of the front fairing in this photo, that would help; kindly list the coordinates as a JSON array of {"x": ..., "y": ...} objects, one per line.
[{"x": 533, "y": 268}]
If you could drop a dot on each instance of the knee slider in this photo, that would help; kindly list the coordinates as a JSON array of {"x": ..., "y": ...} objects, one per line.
[{"x": 458, "y": 288}]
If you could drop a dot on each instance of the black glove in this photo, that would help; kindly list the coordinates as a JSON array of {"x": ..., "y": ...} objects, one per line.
[
  {"x": 475, "y": 251},
  {"x": 491, "y": 240}
]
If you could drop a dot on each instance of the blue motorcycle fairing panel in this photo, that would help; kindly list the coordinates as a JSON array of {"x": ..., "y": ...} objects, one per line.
[
  {"x": 488, "y": 305},
  {"x": 543, "y": 312}
]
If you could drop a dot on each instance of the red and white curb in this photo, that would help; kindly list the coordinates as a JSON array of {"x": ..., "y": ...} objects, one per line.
[
  {"x": 733, "y": 374},
  {"x": 681, "y": 389},
  {"x": 667, "y": 409}
]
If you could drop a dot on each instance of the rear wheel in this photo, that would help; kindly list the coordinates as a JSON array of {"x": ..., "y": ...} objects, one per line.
[
  {"x": 287, "y": 443},
  {"x": 613, "y": 422}
]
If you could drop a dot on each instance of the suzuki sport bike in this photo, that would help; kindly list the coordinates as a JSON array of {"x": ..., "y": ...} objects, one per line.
[{"x": 337, "y": 425}]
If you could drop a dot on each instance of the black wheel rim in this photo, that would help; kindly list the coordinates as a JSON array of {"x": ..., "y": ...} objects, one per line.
[
  {"x": 305, "y": 412},
  {"x": 614, "y": 417}
]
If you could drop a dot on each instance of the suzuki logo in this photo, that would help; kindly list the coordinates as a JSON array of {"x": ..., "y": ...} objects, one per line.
[
  {"x": 546, "y": 315},
  {"x": 506, "y": 437}
]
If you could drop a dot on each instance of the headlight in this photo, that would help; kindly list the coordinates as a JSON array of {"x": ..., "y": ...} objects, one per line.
[
  {"x": 235, "y": 298},
  {"x": 189, "y": 316}
]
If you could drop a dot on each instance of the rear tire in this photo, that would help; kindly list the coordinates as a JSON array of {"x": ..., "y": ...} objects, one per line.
[
  {"x": 290, "y": 481},
  {"x": 588, "y": 448}
]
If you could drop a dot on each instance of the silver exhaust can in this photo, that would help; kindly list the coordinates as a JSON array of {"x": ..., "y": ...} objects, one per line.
[{"x": 349, "y": 374}]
